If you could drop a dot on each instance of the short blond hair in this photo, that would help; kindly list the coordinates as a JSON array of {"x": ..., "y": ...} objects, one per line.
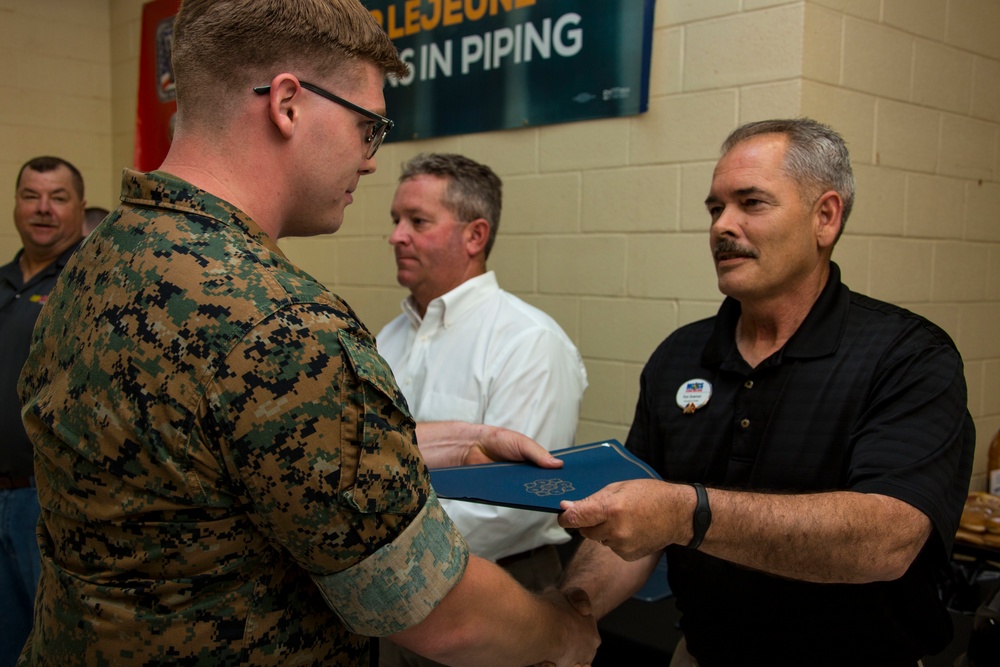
[{"x": 222, "y": 48}]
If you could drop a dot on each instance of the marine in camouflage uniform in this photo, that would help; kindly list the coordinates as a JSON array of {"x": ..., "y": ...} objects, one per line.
[{"x": 227, "y": 470}]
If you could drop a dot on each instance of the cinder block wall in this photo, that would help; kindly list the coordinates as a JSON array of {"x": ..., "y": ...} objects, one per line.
[
  {"x": 55, "y": 97},
  {"x": 603, "y": 223}
]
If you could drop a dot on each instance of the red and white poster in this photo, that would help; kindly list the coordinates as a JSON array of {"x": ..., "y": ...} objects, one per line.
[{"x": 157, "y": 103}]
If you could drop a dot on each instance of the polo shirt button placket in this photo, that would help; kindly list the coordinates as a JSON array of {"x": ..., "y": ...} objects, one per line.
[{"x": 745, "y": 423}]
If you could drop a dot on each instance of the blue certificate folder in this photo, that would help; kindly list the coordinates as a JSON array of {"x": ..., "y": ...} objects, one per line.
[{"x": 587, "y": 469}]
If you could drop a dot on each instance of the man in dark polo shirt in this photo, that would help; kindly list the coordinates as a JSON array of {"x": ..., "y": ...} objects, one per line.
[
  {"x": 48, "y": 214},
  {"x": 816, "y": 443}
]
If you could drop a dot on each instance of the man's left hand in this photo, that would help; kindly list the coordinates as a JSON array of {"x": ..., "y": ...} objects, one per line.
[{"x": 634, "y": 518}]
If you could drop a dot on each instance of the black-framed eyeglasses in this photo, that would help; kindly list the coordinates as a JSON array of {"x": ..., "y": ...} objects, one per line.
[{"x": 380, "y": 124}]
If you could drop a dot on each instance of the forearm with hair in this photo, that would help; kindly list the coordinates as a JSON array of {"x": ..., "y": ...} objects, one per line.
[
  {"x": 834, "y": 537},
  {"x": 606, "y": 578}
]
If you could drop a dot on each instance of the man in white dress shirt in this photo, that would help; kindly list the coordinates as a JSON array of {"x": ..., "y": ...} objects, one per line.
[{"x": 464, "y": 349}]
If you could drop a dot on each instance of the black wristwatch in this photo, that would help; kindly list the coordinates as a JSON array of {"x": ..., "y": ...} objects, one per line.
[{"x": 702, "y": 518}]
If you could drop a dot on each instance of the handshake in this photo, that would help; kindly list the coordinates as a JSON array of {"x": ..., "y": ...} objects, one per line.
[
  {"x": 487, "y": 618},
  {"x": 581, "y": 637}
]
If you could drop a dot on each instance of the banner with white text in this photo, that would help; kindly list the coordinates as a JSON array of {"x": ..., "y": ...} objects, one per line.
[{"x": 480, "y": 65}]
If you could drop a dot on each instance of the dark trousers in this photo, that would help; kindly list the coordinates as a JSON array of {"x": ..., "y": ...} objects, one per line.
[{"x": 20, "y": 567}]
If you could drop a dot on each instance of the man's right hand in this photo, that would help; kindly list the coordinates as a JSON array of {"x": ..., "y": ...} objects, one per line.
[
  {"x": 454, "y": 443},
  {"x": 583, "y": 637},
  {"x": 489, "y": 620}
]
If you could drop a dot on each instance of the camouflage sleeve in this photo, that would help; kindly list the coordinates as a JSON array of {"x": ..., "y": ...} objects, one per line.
[
  {"x": 319, "y": 444},
  {"x": 391, "y": 591}
]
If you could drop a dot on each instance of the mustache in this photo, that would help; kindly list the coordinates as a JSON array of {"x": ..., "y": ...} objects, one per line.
[{"x": 732, "y": 248}]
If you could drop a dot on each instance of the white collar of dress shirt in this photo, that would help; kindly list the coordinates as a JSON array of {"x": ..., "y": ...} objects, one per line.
[{"x": 450, "y": 306}]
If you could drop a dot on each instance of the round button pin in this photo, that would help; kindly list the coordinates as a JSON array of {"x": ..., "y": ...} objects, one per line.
[{"x": 693, "y": 394}]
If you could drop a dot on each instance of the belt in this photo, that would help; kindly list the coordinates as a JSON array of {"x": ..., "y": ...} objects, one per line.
[{"x": 8, "y": 482}]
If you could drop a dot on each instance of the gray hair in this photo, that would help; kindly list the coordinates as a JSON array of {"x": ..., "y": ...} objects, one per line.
[
  {"x": 473, "y": 191},
  {"x": 817, "y": 157}
]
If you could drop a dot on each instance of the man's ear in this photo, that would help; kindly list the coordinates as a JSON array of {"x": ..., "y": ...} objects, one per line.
[
  {"x": 828, "y": 215},
  {"x": 284, "y": 99},
  {"x": 477, "y": 235}
]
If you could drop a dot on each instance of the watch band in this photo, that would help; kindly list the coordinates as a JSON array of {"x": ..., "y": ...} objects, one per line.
[{"x": 702, "y": 518}]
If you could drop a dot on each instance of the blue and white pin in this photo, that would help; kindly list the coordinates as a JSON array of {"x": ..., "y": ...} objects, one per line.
[{"x": 694, "y": 394}]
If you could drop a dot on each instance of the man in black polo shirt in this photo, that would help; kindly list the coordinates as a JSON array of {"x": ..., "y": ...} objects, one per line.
[
  {"x": 816, "y": 443},
  {"x": 48, "y": 214}
]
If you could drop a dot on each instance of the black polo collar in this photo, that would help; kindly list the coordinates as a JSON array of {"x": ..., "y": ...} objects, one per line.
[{"x": 819, "y": 334}]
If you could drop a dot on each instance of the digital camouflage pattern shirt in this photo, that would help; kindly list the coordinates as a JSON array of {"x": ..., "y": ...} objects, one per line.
[{"x": 227, "y": 471}]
